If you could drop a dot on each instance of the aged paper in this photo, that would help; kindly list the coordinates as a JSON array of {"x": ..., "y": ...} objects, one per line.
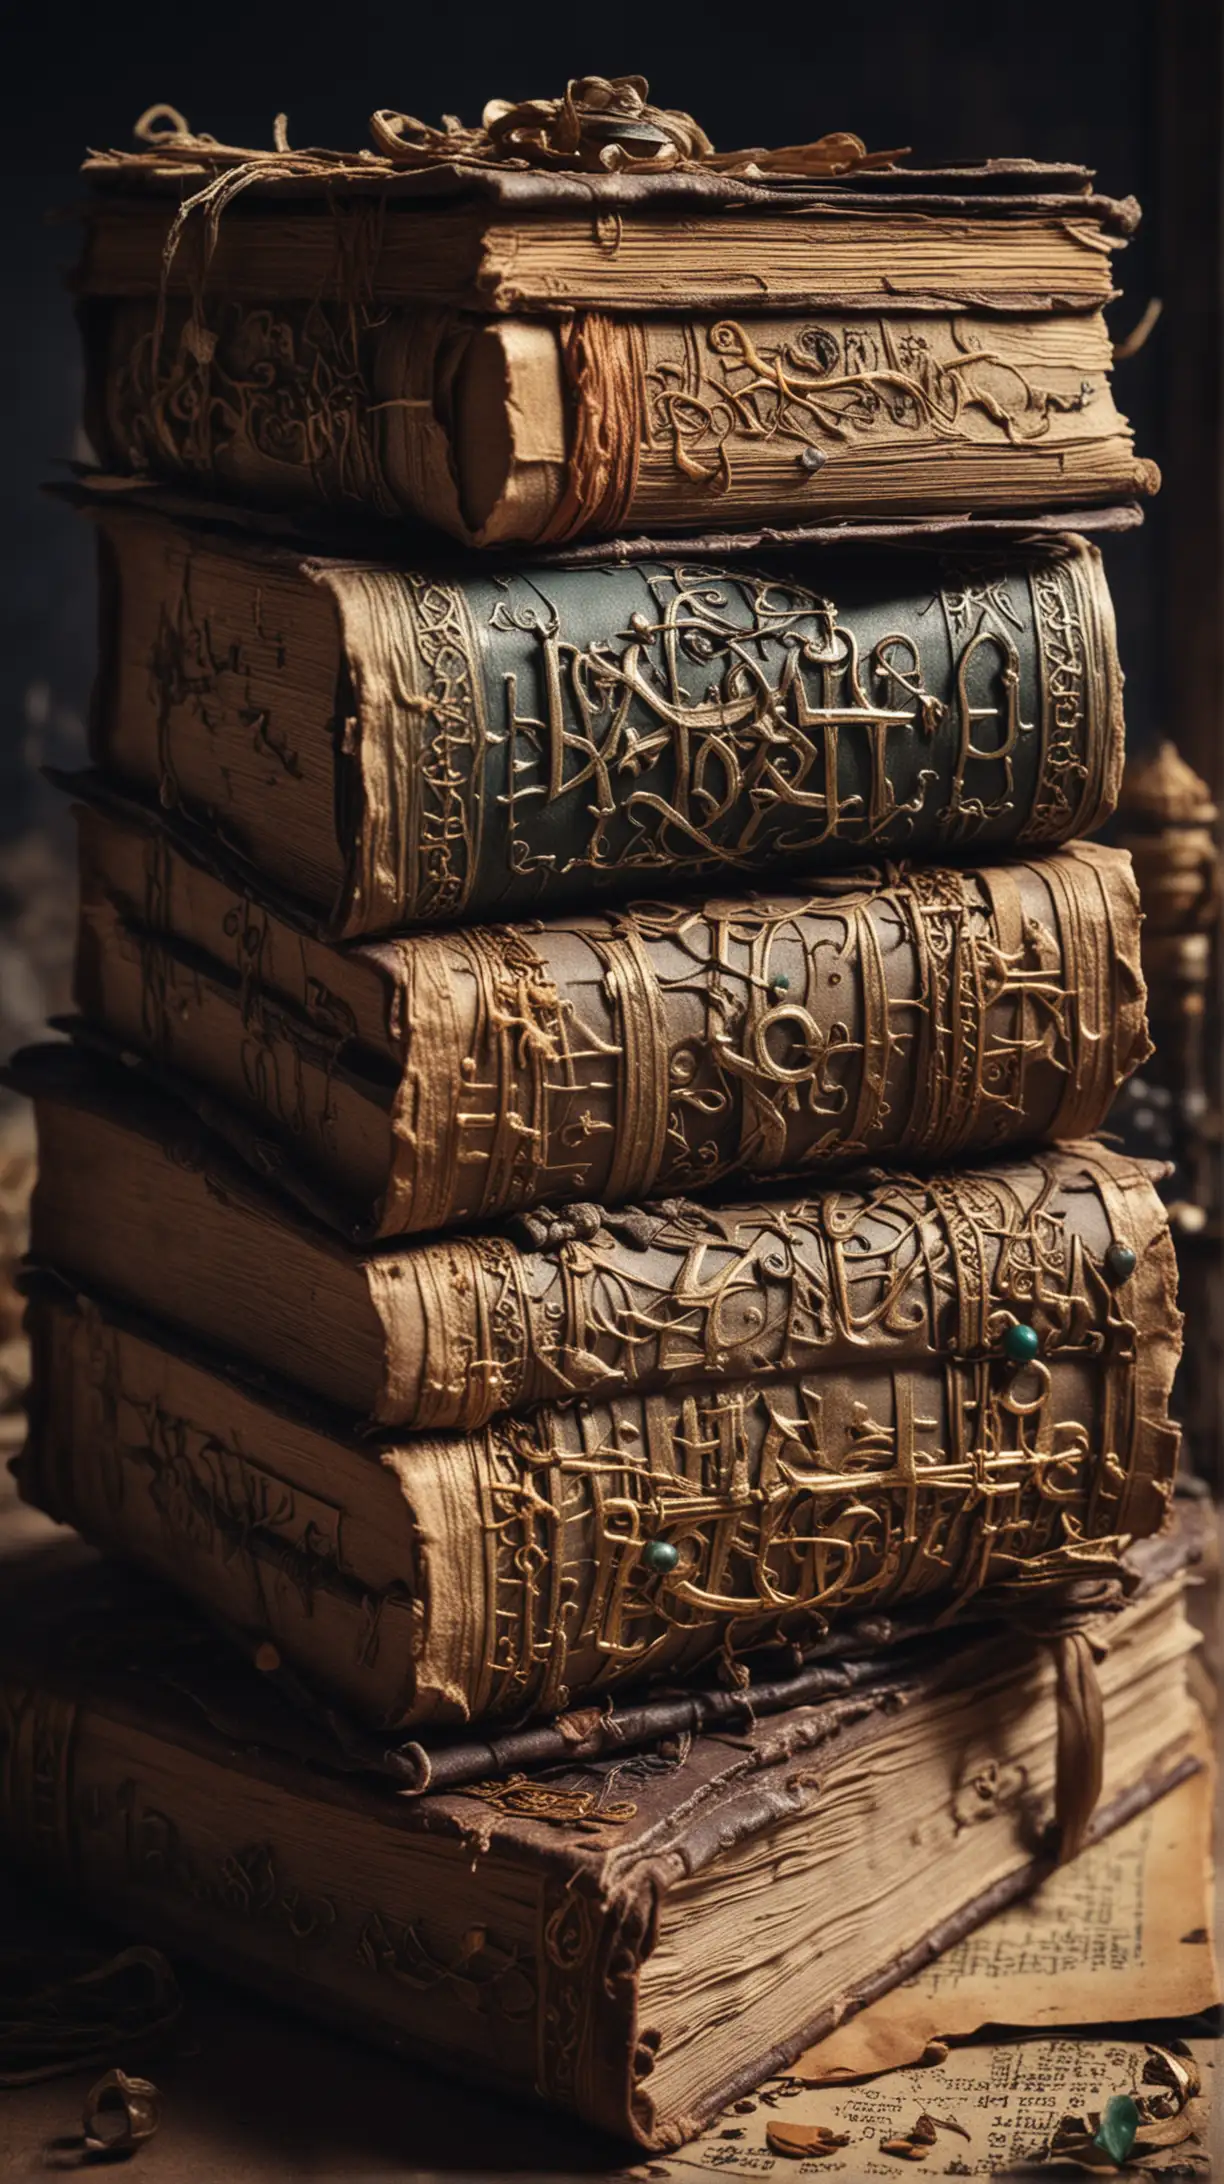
[
  {"x": 1123, "y": 1932},
  {"x": 1005, "y": 2098}
]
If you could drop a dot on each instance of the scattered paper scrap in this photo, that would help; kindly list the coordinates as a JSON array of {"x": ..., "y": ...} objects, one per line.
[
  {"x": 1122, "y": 1932},
  {"x": 803, "y": 2141},
  {"x": 1011, "y": 2100}
]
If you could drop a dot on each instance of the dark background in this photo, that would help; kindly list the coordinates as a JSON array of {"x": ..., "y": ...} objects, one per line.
[{"x": 1130, "y": 88}]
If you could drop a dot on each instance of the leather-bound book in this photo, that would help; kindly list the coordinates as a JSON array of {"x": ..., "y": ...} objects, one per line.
[
  {"x": 908, "y": 1012},
  {"x": 985, "y": 1407},
  {"x": 535, "y": 334},
  {"x": 401, "y": 746},
  {"x": 638, "y": 1940},
  {"x": 879, "y": 1271}
]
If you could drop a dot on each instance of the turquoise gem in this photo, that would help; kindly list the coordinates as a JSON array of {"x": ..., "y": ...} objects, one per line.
[
  {"x": 1119, "y": 2124},
  {"x": 1120, "y": 1264},
  {"x": 660, "y": 1555},
  {"x": 1021, "y": 1343}
]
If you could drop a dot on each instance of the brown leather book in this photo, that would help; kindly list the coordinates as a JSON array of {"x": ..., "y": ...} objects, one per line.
[
  {"x": 135, "y": 1199},
  {"x": 539, "y": 333},
  {"x": 401, "y": 746},
  {"x": 639, "y": 1940},
  {"x": 910, "y": 1012},
  {"x": 999, "y": 1421}
]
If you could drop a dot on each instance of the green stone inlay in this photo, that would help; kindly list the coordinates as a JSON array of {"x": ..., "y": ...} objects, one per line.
[
  {"x": 1119, "y": 2124},
  {"x": 1021, "y": 1343}
]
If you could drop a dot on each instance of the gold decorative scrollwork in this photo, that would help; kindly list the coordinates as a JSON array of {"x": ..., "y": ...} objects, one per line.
[
  {"x": 939, "y": 1469},
  {"x": 918, "y": 1011},
  {"x": 839, "y": 383},
  {"x": 758, "y": 748}
]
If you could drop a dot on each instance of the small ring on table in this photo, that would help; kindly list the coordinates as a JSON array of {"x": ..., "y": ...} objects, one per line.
[{"x": 120, "y": 2113}]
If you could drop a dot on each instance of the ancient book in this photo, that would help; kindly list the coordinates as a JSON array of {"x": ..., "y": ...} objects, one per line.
[
  {"x": 640, "y": 1939},
  {"x": 400, "y": 746},
  {"x": 526, "y": 228},
  {"x": 538, "y": 356},
  {"x": 1000, "y": 1421},
  {"x": 871, "y": 1274},
  {"x": 516, "y": 431},
  {"x": 447, "y": 1077}
]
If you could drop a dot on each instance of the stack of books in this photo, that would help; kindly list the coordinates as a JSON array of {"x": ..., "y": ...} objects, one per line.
[{"x": 569, "y": 1224}]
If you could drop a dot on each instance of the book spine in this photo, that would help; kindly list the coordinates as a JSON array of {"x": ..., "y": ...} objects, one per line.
[
  {"x": 914, "y": 1016},
  {"x": 632, "y": 1537},
  {"x": 582, "y": 732},
  {"x": 776, "y": 418},
  {"x": 613, "y": 424},
  {"x": 585, "y": 731},
  {"x": 593, "y": 1301}
]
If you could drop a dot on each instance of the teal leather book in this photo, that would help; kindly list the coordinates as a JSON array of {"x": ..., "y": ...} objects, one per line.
[{"x": 395, "y": 748}]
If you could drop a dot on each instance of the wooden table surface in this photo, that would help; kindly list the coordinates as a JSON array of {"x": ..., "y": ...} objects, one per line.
[{"x": 251, "y": 2094}]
